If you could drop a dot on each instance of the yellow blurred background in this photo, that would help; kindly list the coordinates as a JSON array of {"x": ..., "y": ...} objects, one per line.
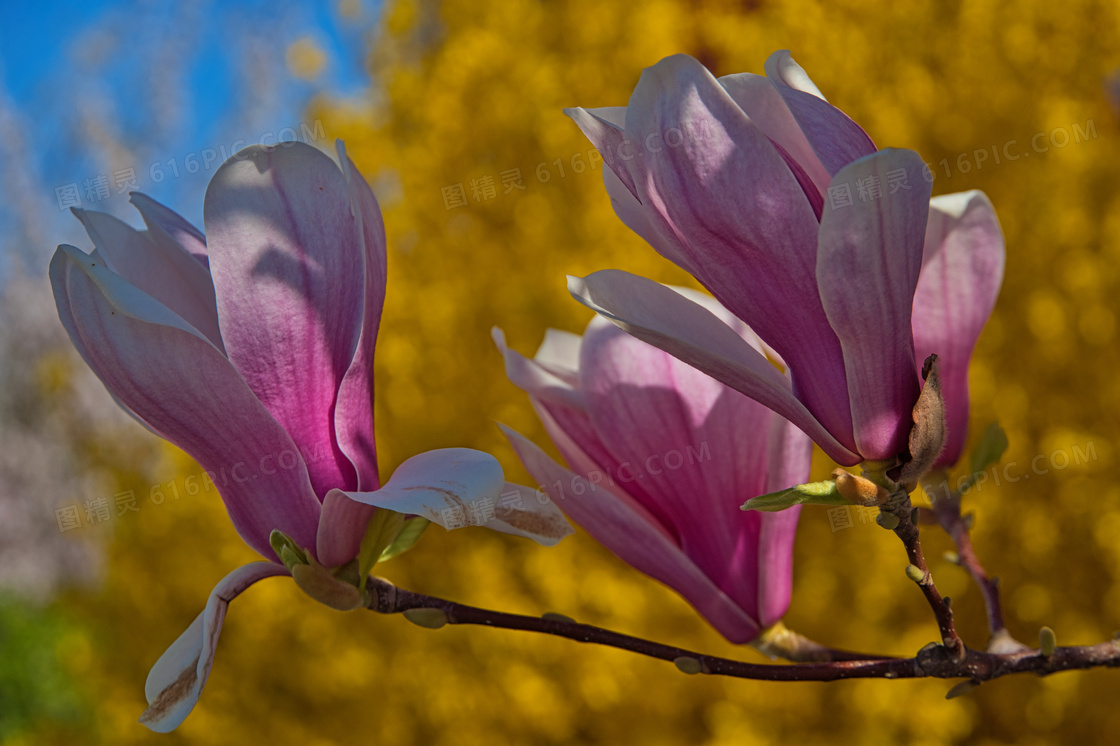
[{"x": 468, "y": 92}]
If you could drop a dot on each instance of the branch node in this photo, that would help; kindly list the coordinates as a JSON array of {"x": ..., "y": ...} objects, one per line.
[
  {"x": 382, "y": 595},
  {"x": 1002, "y": 643}
]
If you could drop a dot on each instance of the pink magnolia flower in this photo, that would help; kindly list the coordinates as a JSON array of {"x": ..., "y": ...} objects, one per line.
[
  {"x": 252, "y": 350},
  {"x": 660, "y": 458},
  {"x": 785, "y": 210}
]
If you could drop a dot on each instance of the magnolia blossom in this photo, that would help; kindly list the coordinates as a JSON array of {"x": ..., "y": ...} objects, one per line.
[
  {"x": 660, "y": 458},
  {"x": 252, "y": 350},
  {"x": 830, "y": 249}
]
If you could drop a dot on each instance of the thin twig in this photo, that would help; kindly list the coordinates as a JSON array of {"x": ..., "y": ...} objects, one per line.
[
  {"x": 906, "y": 530},
  {"x": 947, "y": 510},
  {"x": 934, "y": 660}
]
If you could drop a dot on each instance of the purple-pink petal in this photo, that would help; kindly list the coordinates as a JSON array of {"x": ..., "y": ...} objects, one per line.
[
  {"x": 622, "y": 192},
  {"x": 174, "y": 379},
  {"x": 627, "y": 530},
  {"x": 287, "y": 257},
  {"x": 559, "y": 354},
  {"x": 791, "y": 453},
  {"x": 638, "y": 219},
  {"x": 783, "y": 71},
  {"x": 354, "y": 412},
  {"x": 539, "y": 380},
  {"x": 697, "y": 446},
  {"x": 163, "y": 221},
  {"x": 551, "y": 379},
  {"x": 961, "y": 275},
  {"x": 342, "y": 525},
  {"x": 158, "y": 266},
  {"x": 609, "y": 139},
  {"x": 666, "y": 319},
  {"x": 869, "y": 259},
  {"x": 835, "y": 138},
  {"x": 749, "y": 232},
  {"x": 176, "y": 680},
  {"x": 759, "y": 99}
]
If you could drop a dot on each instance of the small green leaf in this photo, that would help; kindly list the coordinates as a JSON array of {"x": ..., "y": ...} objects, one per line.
[
  {"x": 987, "y": 451},
  {"x": 382, "y": 531},
  {"x": 406, "y": 539},
  {"x": 813, "y": 493}
]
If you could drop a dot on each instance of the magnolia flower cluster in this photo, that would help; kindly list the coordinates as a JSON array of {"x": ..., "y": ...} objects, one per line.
[{"x": 834, "y": 276}]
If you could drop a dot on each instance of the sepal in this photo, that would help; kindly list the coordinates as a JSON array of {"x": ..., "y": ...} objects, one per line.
[
  {"x": 410, "y": 534},
  {"x": 381, "y": 532}
]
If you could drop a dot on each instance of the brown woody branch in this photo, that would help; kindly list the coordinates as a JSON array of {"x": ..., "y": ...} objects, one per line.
[{"x": 933, "y": 661}]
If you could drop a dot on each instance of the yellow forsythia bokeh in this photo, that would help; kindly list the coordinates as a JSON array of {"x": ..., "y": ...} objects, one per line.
[{"x": 1007, "y": 98}]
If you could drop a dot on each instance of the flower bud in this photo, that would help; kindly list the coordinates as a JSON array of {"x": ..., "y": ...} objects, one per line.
[
  {"x": 888, "y": 521},
  {"x": 551, "y": 616},
  {"x": 859, "y": 490},
  {"x": 1047, "y": 641},
  {"x": 689, "y": 665},
  {"x": 286, "y": 549},
  {"x": 962, "y": 688}
]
